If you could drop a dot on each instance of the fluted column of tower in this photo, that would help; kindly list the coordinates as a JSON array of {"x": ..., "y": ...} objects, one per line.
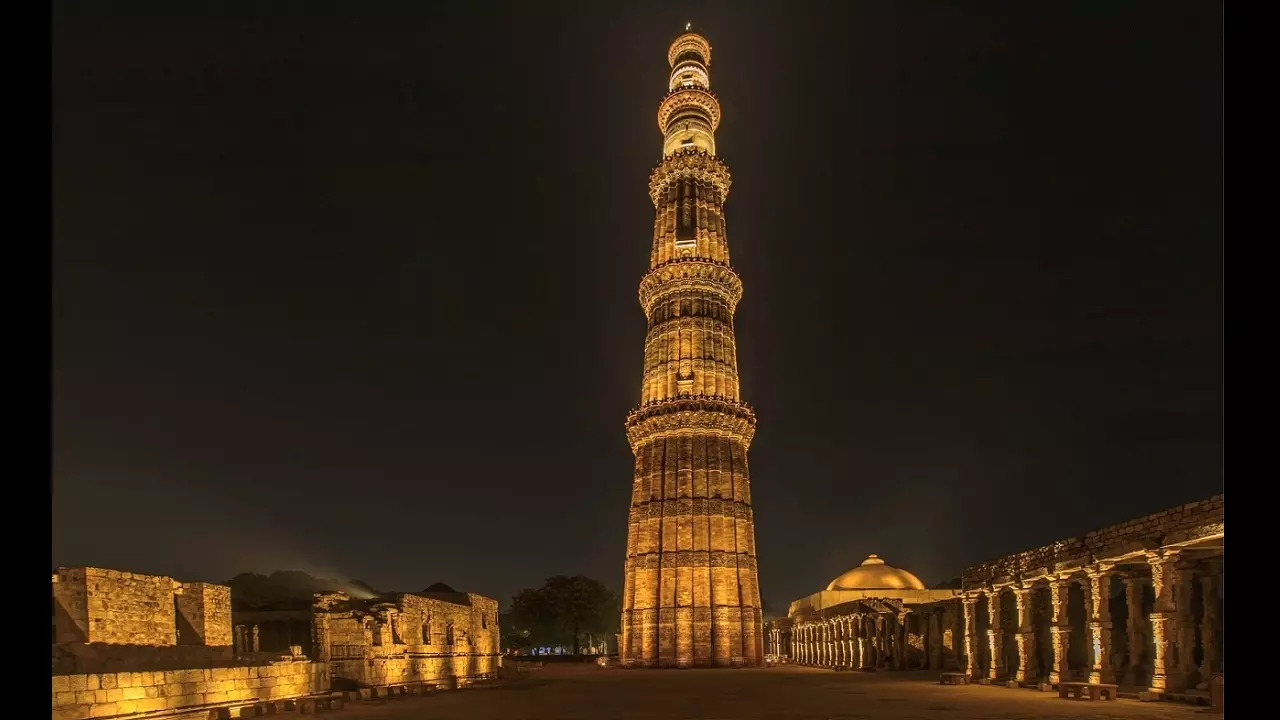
[{"x": 690, "y": 596}]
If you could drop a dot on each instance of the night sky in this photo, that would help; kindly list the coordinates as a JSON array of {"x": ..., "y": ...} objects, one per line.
[{"x": 351, "y": 288}]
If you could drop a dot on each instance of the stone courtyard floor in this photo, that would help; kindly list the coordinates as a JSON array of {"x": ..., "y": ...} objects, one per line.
[{"x": 573, "y": 692}]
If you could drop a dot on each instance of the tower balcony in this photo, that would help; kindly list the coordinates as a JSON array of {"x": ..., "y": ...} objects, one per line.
[
  {"x": 689, "y": 162},
  {"x": 690, "y": 274},
  {"x": 691, "y": 415}
]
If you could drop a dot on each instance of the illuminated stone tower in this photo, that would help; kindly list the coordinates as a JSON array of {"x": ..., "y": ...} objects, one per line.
[{"x": 690, "y": 596}]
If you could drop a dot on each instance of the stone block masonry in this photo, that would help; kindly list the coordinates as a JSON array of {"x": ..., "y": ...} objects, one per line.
[
  {"x": 407, "y": 638},
  {"x": 81, "y": 696},
  {"x": 93, "y": 605},
  {"x": 203, "y": 614},
  {"x": 128, "y": 645}
]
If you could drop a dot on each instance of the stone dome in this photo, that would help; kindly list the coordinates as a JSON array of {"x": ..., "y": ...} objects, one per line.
[{"x": 873, "y": 574}]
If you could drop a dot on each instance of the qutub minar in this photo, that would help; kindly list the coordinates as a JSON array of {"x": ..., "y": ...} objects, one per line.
[{"x": 691, "y": 595}]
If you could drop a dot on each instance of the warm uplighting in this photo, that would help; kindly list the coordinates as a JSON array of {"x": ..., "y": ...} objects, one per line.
[{"x": 690, "y": 596}]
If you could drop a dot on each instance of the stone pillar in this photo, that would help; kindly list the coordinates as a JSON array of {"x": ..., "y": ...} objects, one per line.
[
  {"x": 320, "y": 647},
  {"x": 933, "y": 642},
  {"x": 1026, "y": 637},
  {"x": 1163, "y": 619},
  {"x": 255, "y": 638},
  {"x": 1134, "y": 627},
  {"x": 839, "y": 635},
  {"x": 1186, "y": 643},
  {"x": 1059, "y": 628},
  {"x": 971, "y": 667},
  {"x": 832, "y": 645},
  {"x": 1100, "y": 624},
  {"x": 824, "y": 644},
  {"x": 878, "y": 641},
  {"x": 995, "y": 636},
  {"x": 900, "y": 636},
  {"x": 1207, "y": 620}
]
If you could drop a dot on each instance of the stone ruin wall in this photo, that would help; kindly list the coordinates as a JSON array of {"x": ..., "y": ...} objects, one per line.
[
  {"x": 128, "y": 643},
  {"x": 204, "y": 614},
  {"x": 80, "y": 696},
  {"x": 1182, "y": 523},
  {"x": 420, "y": 640},
  {"x": 92, "y": 605}
]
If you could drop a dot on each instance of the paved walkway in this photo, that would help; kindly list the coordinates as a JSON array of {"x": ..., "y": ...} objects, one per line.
[{"x": 572, "y": 692}]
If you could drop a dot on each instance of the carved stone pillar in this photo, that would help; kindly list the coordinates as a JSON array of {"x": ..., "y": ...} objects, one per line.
[
  {"x": 828, "y": 644},
  {"x": 892, "y": 633},
  {"x": 868, "y": 652},
  {"x": 255, "y": 639},
  {"x": 1186, "y": 644},
  {"x": 846, "y": 649},
  {"x": 933, "y": 641},
  {"x": 971, "y": 667},
  {"x": 1026, "y": 637},
  {"x": 1207, "y": 620},
  {"x": 1100, "y": 624},
  {"x": 1135, "y": 627},
  {"x": 995, "y": 636},
  {"x": 1059, "y": 628},
  {"x": 900, "y": 637},
  {"x": 880, "y": 641},
  {"x": 1163, "y": 619},
  {"x": 817, "y": 644},
  {"x": 851, "y": 640}
]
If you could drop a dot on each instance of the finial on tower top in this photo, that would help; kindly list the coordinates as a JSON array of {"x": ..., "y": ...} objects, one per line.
[{"x": 688, "y": 26}]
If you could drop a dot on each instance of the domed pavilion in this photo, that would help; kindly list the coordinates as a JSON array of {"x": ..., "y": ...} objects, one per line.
[{"x": 873, "y": 616}]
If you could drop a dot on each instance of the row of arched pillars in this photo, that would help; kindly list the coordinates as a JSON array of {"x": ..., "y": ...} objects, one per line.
[
  {"x": 1156, "y": 622},
  {"x": 861, "y": 641}
]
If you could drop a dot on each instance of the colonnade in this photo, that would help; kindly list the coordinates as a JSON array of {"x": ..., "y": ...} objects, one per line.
[
  {"x": 1168, "y": 639},
  {"x": 859, "y": 641}
]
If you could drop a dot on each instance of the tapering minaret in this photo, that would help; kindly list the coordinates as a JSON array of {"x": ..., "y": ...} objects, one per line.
[{"x": 690, "y": 596}]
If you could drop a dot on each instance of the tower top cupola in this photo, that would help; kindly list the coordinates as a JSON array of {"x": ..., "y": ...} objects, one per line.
[{"x": 689, "y": 114}]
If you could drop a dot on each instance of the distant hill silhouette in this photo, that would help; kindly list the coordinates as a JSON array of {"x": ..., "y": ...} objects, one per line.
[
  {"x": 288, "y": 589},
  {"x": 439, "y": 588}
]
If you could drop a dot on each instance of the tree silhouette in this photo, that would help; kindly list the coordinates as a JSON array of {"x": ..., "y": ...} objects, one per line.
[{"x": 564, "y": 608}]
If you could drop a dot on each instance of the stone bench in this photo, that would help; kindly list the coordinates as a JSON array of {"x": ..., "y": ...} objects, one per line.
[
  {"x": 953, "y": 678},
  {"x": 1095, "y": 691}
]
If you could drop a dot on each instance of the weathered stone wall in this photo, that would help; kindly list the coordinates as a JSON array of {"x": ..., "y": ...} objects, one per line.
[
  {"x": 415, "y": 639},
  {"x": 204, "y": 614},
  {"x": 95, "y": 605},
  {"x": 1183, "y": 523},
  {"x": 106, "y": 694}
]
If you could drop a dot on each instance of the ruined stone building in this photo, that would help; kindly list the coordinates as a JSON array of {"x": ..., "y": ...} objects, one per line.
[
  {"x": 127, "y": 644},
  {"x": 406, "y": 638},
  {"x": 690, "y": 590},
  {"x": 130, "y": 644},
  {"x": 1137, "y": 604}
]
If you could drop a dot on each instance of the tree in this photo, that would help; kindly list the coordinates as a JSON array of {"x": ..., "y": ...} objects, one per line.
[{"x": 564, "y": 608}]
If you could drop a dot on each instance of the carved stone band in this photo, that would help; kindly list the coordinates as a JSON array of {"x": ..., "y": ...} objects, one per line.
[
  {"x": 694, "y": 416},
  {"x": 690, "y": 275},
  {"x": 692, "y": 163}
]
